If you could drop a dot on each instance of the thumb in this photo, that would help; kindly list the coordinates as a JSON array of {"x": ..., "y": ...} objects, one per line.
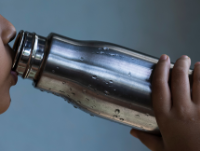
[{"x": 154, "y": 143}]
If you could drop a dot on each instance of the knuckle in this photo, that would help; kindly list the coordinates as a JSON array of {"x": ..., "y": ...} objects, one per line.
[
  {"x": 180, "y": 70},
  {"x": 183, "y": 112}
]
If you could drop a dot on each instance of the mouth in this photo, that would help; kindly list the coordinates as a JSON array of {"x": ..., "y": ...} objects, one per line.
[{"x": 15, "y": 76}]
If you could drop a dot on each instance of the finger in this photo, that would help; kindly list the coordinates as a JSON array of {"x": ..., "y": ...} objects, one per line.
[
  {"x": 161, "y": 97},
  {"x": 196, "y": 84},
  {"x": 153, "y": 142},
  {"x": 180, "y": 84}
]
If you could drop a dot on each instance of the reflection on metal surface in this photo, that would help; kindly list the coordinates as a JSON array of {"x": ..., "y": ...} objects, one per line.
[{"x": 103, "y": 79}]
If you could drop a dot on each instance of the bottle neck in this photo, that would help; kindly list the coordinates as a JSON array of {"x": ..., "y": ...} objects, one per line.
[{"x": 29, "y": 53}]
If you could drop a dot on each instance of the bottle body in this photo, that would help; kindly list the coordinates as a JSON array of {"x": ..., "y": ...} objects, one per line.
[{"x": 100, "y": 78}]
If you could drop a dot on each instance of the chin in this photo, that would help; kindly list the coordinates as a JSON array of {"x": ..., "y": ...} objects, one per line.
[{"x": 4, "y": 104}]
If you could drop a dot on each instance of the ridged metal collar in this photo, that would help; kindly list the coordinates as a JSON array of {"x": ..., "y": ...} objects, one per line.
[
  {"x": 17, "y": 47},
  {"x": 29, "y": 51}
]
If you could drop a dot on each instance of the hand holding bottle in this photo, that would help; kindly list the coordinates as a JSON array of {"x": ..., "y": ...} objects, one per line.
[{"x": 177, "y": 111}]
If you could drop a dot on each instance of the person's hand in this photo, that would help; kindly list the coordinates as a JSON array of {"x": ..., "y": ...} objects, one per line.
[
  {"x": 177, "y": 111},
  {"x": 7, "y": 77}
]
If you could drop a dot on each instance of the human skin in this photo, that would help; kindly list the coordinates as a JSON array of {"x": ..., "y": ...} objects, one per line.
[
  {"x": 176, "y": 109},
  {"x": 7, "y": 33}
]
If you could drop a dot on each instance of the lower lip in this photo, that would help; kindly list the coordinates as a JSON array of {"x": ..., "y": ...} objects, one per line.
[{"x": 15, "y": 77}]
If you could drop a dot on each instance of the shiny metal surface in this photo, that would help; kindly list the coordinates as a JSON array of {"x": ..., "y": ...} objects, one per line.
[
  {"x": 38, "y": 52},
  {"x": 100, "y": 78},
  {"x": 17, "y": 47},
  {"x": 29, "y": 54}
]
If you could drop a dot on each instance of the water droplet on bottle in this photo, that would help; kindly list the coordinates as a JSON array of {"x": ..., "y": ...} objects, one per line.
[
  {"x": 105, "y": 48},
  {"x": 137, "y": 115},
  {"x": 61, "y": 91},
  {"x": 132, "y": 58},
  {"x": 63, "y": 82},
  {"x": 79, "y": 102},
  {"x": 110, "y": 81},
  {"x": 94, "y": 77},
  {"x": 129, "y": 74},
  {"x": 149, "y": 124},
  {"x": 112, "y": 54},
  {"x": 82, "y": 58},
  {"x": 41, "y": 90},
  {"x": 106, "y": 92},
  {"x": 121, "y": 119},
  {"x": 87, "y": 99},
  {"x": 117, "y": 111},
  {"x": 91, "y": 115},
  {"x": 57, "y": 67},
  {"x": 73, "y": 93},
  {"x": 53, "y": 71},
  {"x": 115, "y": 116},
  {"x": 75, "y": 106},
  {"x": 101, "y": 52},
  {"x": 147, "y": 114}
]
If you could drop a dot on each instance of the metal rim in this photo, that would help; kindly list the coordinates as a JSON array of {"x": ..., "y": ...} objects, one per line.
[{"x": 17, "y": 47}]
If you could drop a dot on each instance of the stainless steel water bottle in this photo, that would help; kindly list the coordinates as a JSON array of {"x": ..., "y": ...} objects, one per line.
[{"x": 102, "y": 79}]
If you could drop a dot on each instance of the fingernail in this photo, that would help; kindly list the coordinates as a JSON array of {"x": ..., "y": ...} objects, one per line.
[
  {"x": 197, "y": 63},
  {"x": 184, "y": 56},
  {"x": 132, "y": 132},
  {"x": 163, "y": 57}
]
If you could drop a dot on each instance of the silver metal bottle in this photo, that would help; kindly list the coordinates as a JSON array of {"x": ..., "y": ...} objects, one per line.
[{"x": 103, "y": 79}]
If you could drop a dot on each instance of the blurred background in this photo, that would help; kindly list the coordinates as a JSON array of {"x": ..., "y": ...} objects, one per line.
[{"x": 39, "y": 121}]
